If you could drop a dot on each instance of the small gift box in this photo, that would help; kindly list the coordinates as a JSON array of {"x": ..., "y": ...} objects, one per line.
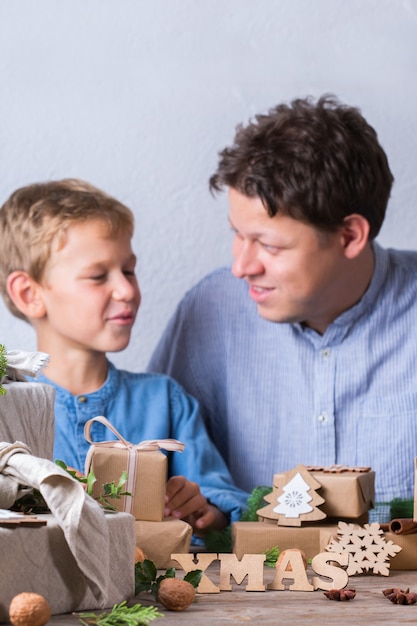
[
  {"x": 159, "y": 540},
  {"x": 144, "y": 463},
  {"x": 348, "y": 492},
  {"x": 415, "y": 490},
  {"x": 257, "y": 537},
  {"x": 407, "y": 558}
]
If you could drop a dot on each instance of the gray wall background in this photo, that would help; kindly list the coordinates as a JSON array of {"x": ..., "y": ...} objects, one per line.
[{"x": 138, "y": 97}]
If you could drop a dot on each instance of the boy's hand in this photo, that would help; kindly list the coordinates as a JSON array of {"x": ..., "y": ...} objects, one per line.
[{"x": 184, "y": 500}]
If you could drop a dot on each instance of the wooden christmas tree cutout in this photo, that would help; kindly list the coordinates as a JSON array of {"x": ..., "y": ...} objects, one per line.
[
  {"x": 367, "y": 548},
  {"x": 295, "y": 500}
]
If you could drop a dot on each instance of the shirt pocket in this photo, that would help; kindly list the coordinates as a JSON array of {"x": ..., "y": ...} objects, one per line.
[{"x": 387, "y": 441}]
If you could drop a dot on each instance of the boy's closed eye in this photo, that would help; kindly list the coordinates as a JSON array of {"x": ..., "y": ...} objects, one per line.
[{"x": 98, "y": 277}]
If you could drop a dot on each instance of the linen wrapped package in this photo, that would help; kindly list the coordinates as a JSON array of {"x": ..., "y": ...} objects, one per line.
[
  {"x": 26, "y": 408},
  {"x": 146, "y": 467},
  {"x": 78, "y": 558}
]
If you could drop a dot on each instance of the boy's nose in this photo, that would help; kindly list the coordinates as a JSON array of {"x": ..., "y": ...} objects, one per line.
[{"x": 126, "y": 288}]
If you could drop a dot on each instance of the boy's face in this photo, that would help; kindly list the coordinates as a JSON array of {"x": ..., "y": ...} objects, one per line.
[{"x": 89, "y": 290}]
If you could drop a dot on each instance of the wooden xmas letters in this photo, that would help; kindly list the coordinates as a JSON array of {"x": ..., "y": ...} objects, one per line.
[{"x": 291, "y": 568}]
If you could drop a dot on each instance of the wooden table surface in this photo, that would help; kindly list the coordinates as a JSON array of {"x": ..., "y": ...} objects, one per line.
[{"x": 292, "y": 608}]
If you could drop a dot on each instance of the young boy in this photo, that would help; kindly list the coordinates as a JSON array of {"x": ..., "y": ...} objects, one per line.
[{"x": 67, "y": 267}]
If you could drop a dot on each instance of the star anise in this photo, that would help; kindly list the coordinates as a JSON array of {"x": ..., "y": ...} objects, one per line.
[
  {"x": 400, "y": 596},
  {"x": 340, "y": 594}
]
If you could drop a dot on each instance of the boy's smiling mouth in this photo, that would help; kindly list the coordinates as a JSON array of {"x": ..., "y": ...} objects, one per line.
[{"x": 126, "y": 317}]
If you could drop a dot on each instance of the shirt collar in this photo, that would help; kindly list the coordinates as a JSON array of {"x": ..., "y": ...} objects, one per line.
[{"x": 104, "y": 393}]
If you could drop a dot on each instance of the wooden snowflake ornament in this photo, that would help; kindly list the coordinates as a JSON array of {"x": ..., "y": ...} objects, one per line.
[
  {"x": 294, "y": 501},
  {"x": 367, "y": 548}
]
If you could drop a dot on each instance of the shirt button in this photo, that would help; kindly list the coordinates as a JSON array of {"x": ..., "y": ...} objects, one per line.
[
  {"x": 323, "y": 418},
  {"x": 325, "y": 353},
  {"x": 82, "y": 399}
]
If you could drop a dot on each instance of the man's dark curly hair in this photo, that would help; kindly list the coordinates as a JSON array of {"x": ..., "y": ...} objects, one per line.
[{"x": 317, "y": 162}]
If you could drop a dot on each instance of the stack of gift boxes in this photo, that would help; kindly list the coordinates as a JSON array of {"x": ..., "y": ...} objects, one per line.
[
  {"x": 146, "y": 466},
  {"x": 34, "y": 552},
  {"x": 345, "y": 494}
]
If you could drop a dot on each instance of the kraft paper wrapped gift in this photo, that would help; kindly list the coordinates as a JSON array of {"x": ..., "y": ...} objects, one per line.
[
  {"x": 407, "y": 558},
  {"x": 27, "y": 415},
  {"x": 159, "y": 540},
  {"x": 257, "y": 537},
  {"x": 38, "y": 559},
  {"x": 415, "y": 490},
  {"x": 348, "y": 494},
  {"x": 144, "y": 463}
]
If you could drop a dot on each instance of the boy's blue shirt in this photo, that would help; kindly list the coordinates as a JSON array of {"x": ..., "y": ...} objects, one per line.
[{"x": 146, "y": 406}]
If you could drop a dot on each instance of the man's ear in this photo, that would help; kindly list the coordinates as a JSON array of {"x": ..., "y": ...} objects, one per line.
[
  {"x": 355, "y": 235},
  {"x": 25, "y": 294}
]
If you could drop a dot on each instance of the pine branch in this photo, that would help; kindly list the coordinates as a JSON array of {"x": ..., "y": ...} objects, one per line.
[
  {"x": 255, "y": 502},
  {"x": 3, "y": 367},
  {"x": 121, "y": 615},
  {"x": 272, "y": 556}
]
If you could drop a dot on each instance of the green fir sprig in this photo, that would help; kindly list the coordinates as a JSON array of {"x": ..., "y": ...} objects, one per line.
[
  {"x": 3, "y": 367},
  {"x": 255, "y": 502},
  {"x": 120, "y": 615},
  {"x": 272, "y": 556},
  {"x": 218, "y": 540}
]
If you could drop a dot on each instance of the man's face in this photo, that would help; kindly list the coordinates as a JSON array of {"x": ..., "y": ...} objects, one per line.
[
  {"x": 90, "y": 291},
  {"x": 292, "y": 269}
]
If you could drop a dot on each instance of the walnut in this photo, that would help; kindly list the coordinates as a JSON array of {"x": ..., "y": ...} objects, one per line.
[
  {"x": 176, "y": 594},
  {"x": 400, "y": 596},
  {"x": 29, "y": 609},
  {"x": 140, "y": 556},
  {"x": 340, "y": 594}
]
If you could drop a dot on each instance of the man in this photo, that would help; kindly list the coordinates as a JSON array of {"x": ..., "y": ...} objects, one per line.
[{"x": 310, "y": 358}]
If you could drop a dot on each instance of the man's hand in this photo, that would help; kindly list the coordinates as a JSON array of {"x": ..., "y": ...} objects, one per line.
[{"x": 184, "y": 500}]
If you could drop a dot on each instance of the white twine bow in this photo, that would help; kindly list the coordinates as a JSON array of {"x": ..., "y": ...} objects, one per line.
[{"x": 170, "y": 445}]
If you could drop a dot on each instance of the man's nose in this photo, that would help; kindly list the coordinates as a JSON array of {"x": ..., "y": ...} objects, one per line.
[{"x": 246, "y": 262}]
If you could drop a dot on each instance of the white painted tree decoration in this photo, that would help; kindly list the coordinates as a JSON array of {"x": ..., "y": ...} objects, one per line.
[{"x": 295, "y": 500}]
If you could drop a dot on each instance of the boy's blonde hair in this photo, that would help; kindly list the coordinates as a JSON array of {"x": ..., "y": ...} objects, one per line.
[{"x": 37, "y": 215}]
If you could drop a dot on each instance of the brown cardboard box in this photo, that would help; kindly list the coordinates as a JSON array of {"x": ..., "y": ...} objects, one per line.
[
  {"x": 347, "y": 495},
  {"x": 257, "y": 537},
  {"x": 145, "y": 465},
  {"x": 27, "y": 415},
  {"x": 407, "y": 558},
  {"x": 159, "y": 540},
  {"x": 148, "y": 474},
  {"x": 38, "y": 559}
]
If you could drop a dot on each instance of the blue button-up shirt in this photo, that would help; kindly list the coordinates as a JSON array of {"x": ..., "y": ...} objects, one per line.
[
  {"x": 274, "y": 395},
  {"x": 144, "y": 406}
]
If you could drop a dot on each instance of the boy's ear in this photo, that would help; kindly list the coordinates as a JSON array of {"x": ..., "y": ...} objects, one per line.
[
  {"x": 355, "y": 235},
  {"x": 25, "y": 294}
]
